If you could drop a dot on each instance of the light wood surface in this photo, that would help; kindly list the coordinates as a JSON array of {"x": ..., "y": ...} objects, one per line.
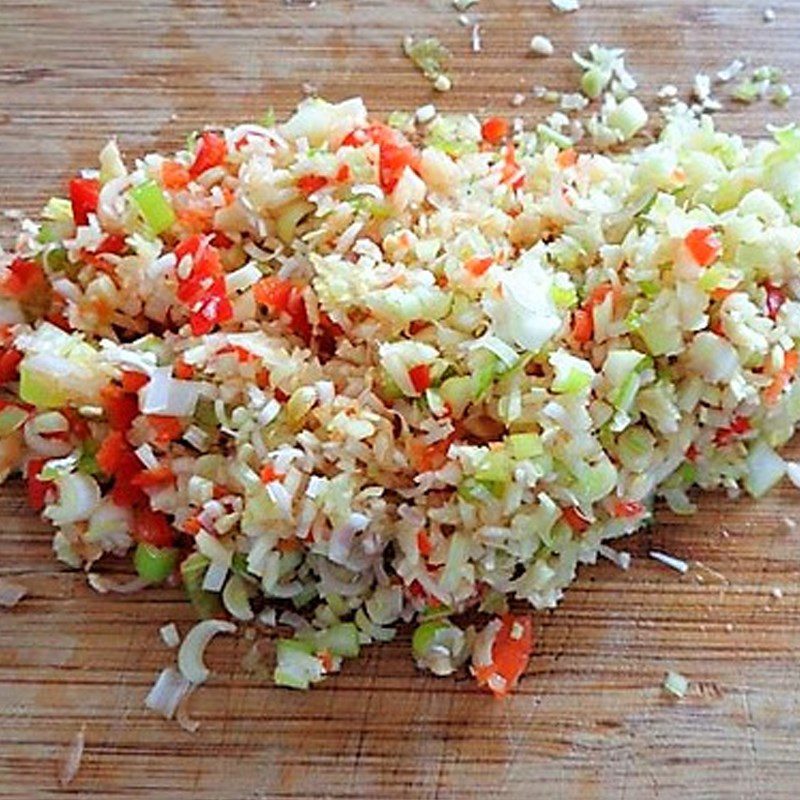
[{"x": 590, "y": 720}]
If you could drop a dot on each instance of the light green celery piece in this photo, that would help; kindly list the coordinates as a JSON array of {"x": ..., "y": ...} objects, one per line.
[{"x": 153, "y": 206}]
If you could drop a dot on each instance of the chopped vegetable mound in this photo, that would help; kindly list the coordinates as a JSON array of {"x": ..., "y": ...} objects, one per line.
[{"x": 336, "y": 375}]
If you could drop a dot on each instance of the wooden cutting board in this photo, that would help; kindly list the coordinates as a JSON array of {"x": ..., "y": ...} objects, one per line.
[{"x": 590, "y": 720}]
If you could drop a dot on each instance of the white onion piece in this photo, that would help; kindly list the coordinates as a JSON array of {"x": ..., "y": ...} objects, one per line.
[
  {"x": 190, "y": 655},
  {"x": 166, "y": 395},
  {"x": 11, "y": 593},
  {"x": 78, "y": 497},
  {"x": 167, "y": 692}
]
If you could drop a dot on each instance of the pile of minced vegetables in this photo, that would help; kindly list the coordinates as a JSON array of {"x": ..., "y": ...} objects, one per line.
[{"x": 337, "y": 374}]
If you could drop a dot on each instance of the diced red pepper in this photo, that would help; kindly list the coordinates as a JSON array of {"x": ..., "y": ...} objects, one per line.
[
  {"x": 182, "y": 370},
  {"x": 37, "y": 488},
  {"x": 22, "y": 279},
  {"x": 112, "y": 452},
  {"x": 9, "y": 365},
  {"x": 221, "y": 241},
  {"x": 511, "y": 652},
  {"x": 420, "y": 377},
  {"x": 567, "y": 158},
  {"x": 775, "y": 299},
  {"x": 739, "y": 426},
  {"x": 133, "y": 381},
  {"x": 204, "y": 290},
  {"x": 478, "y": 266},
  {"x": 424, "y": 544},
  {"x": 396, "y": 152},
  {"x": 174, "y": 175},
  {"x": 84, "y": 194},
  {"x": 308, "y": 184},
  {"x": 704, "y": 246},
  {"x": 494, "y": 130},
  {"x": 114, "y": 244},
  {"x": 281, "y": 295},
  {"x": 152, "y": 527},
  {"x": 273, "y": 292},
  {"x": 153, "y": 478},
  {"x": 426, "y": 457},
  {"x": 342, "y": 174},
  {"x": 575, "y": 519},
  {"x": 121, "y": 406},
  {"x": 692, "y": 453},
  {"x": 212, "y": 310},
  {"x": 268, "y": 473},
  {"x": 582, "y": 326},
  {"x": 125, "y": 492},
  {"x": 511, "y": 173},
  {"x": 211, "y": 152},
  {"x": 166, "y": 429},
  {"x": 627, "y": 509}
]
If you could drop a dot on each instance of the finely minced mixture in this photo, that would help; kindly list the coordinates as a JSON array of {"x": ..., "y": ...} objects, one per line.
[{"x": 337, "y": 374}]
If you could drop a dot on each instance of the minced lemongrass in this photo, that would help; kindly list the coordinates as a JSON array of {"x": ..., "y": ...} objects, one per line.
[{"x": 407, "y": 370}]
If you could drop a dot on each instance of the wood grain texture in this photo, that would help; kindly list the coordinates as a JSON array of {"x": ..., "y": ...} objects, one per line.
[{"x": 590, "y": 720}]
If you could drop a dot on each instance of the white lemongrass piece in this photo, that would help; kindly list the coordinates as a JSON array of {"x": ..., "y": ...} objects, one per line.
[
  {"x": 214, "y": 579},
  {"x": 168, "y": 690},
  {"x": 190, "y": 654},
  {"x": 670, "y": 561},
  {"x": 169, "y": 634}
]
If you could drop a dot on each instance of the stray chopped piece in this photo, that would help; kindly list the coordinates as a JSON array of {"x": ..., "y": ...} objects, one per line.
[
  {"x": 517, "y": 99},
  {"x": 676, "y": 684},
  {"x": 169, "y": 635},
  {"x": 476, "y": 38},
  {"x": 542, "y": 46},
  {"x": 573, "y": 101},
  {"x": 731, "y": 71},
  {"x": 425, "y": 114},
  {"x": 777, "y": 593},
  {"x": 621, "y": 558},
  {"x": 565, "y": 6},
  {"x": 463, "y": 5},
  {"x": 670, "y": 561},
  {"x": 781, "y": 94},
  {"x": 769, "y": 15},
  {"x": 429, "y": 56},
  {"x": 11, "y": 593},
  {"x": 443, "y": 84}
]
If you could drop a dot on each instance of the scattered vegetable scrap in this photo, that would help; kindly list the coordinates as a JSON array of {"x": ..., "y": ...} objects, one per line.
[{"x": 676, "y": 684}]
